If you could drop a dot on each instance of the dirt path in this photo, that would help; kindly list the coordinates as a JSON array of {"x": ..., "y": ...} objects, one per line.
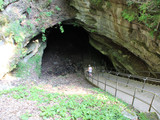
[
  {"x": 111, "y": 80},
  {"x": 12, "y": 109}
]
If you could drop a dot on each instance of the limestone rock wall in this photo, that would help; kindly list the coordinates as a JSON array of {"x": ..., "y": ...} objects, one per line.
[
  {"x": 20, "y": 22},
  {"x": 128, "y": 45}
]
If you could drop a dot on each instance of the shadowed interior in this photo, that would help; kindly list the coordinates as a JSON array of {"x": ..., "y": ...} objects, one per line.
[{"x": 70, "y": 51}]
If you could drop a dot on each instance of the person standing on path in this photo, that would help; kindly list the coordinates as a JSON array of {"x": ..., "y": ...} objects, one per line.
[{"x": 90, "y": 70}]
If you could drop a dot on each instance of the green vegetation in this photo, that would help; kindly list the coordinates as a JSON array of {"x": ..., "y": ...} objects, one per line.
[
  {"x": 61, "y": 27},
  {"x": 25, "y": 69},
  {"x": 75, "y": 24},
  {"x": 148, "y": 116},
  {"x": 43, "y": 34},
  {"x": 92, "y": 31},
  {"x": 99, "y": 3},
  {"x": 49, "y": 1},
  {"x": 146, "y": 13},
  {"x": 58, "y": 8},
  {"x": 28, "y": 10},
  {"x": 48, "y": 14},
  {"x": 1, "y": 4},
  {"x": 16, "y": 30},
  {"x": 142, "y": 116},
  {"x": 129, "y": 15},
  {"x": 96, "y": 2},
  {"x": 98, "y": 106},
  {"x": 25, "y": 116}
]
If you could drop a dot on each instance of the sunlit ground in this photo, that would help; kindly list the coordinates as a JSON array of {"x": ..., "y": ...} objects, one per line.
[{"x": 67, "y": 105}]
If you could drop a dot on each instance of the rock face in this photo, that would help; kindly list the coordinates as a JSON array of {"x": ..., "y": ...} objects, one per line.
[
  {"x": 128, "y": 45},
  {"x": 20, "y": 22}
]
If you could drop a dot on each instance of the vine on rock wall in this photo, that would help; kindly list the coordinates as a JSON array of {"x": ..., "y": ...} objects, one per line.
[{"x": 147, "y": 13}]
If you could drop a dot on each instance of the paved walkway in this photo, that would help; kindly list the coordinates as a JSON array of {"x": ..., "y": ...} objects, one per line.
[{"x": 146, "y": 96}]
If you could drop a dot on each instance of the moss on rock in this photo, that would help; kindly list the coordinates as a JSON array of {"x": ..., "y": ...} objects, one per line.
[
  {"x": 31, "y": 67},
  {"x": 24, "y": 70}
]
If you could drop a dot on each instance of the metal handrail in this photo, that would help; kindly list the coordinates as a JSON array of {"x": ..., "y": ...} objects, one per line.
[
  {"x": 134, "y": 96},
  {"x": 113, "y": 69},
  {"x": 136, "y": 76}
]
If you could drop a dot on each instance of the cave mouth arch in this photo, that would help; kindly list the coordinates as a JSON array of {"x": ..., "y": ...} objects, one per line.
[{"x": 69, "y": 52}]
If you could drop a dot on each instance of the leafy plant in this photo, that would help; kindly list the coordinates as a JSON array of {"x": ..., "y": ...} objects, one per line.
[
  {"x": 48, "y": 14},
  {"x": 98, "y": 106},
  {"x": 28, "y": 10},
  {"x": 146, "y": 13},
  {"x": 16, "y": 31},
  {"x": 92, "y": 31},
  {"x": 25, "y": 116},
  {"x": 61, "y": 27},
  {"x": 43, "y": 34},
  {"x": 58, "y": 8},
  {"x": 49, "y": 1},
  {"x": 130, "y": 2},
  {"x": 16, "y": 89},
  {"x": 129, "y": 15}
]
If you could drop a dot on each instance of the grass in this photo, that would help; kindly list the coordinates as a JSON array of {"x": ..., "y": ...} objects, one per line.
[{"x": 97, "y": 106}]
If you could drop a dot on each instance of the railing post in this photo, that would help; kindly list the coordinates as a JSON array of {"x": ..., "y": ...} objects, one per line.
[
  {"x": 145, "y": 79},
  {"x": 98, "y": 79},
  {"x": 116, "y": 89},
  {"x": 97, "y": 83},
  {"x": 117, "y": 76},
  {"x": 128, "y": 80},
  {"x": 134, "y": 96},
  {"x": 151, "y": 103},
  {"x": 105, "y": 85}
]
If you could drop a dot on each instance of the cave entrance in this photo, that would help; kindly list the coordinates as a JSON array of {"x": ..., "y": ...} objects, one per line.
[{"x": 69, "y": 52}]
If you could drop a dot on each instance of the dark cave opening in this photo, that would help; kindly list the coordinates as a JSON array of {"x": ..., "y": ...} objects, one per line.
[{"x": 70, "y": 52}]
